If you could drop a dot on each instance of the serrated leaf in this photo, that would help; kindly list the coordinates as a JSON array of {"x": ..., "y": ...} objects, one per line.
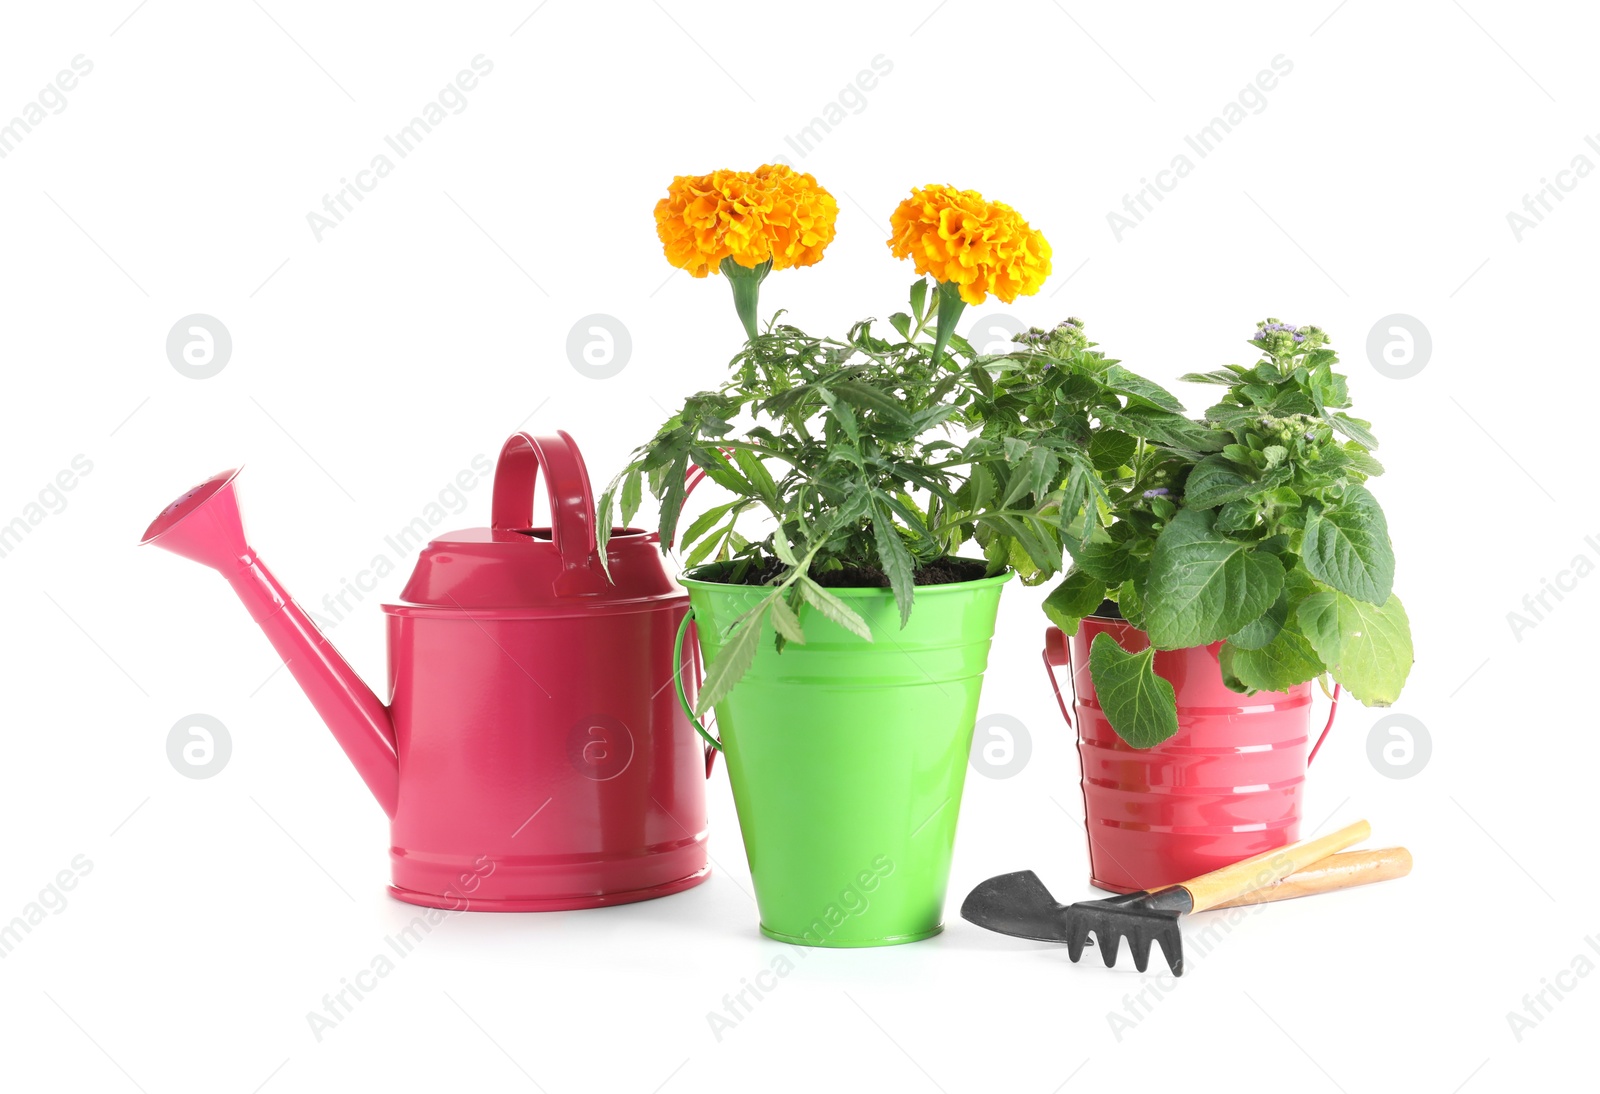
[
  {"x": 1317, "y": 616},
  {"x": 1110, "y": 562},
  {"x": 704, "y": 522},
  {"x": 896, "y": 559},
  {"x": 786, "y": 623},
  {"x": 919, "y": 297},
  {"x": 1215, "y": 481},
  {"x": 1077, "y": 595},
  {"x": 1262, "y": 630},
  {"x": 706, "y": 546},
  {"x": 733, "y": 659},
  {"x": 834, "y": 609},
  {"x": 781, "y": 548},
  {"x": 1285, "y": 661},
  {"x": 1227, "y": 377},
  {"x": 1140, "y": 705},
  {"x": 672, "y": 495},
  {"x": 1354, "y": 428},
  {"x": 1110, "y": 449},
  {"x": 630, "y": 496},
  {"x": 1348, "y": 547},
  {"x": 886, "y": 407},
  {"x": 1202, "y": 586},
  {"x": 1136, "y": 387},
  {"x": 756, "y": 472},
  {"x": 1367, "y": 648}
]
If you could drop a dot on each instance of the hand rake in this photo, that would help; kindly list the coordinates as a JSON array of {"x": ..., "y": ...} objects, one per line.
[{"x": 1018, "y": 904}]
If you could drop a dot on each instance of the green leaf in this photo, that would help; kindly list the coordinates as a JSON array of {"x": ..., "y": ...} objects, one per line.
[
  {"x": 672, "y": 495},
  {"x": 1367, "y": 648},
  {"x": 1285, "y": 661},
  {"x": 1122, "y": 381},
  {"x": 1110, "y": 449},
  {"x": 896, "y": 559},
  {"x": 1348, "y": 547},
  {"x": 1140, "y": 705},
  {"x": 1110, "y": 562},
  {"x": 834, "y": 609},
  {"x": 786, "y": 623},
  {"x": 919, "y": 297},
  {"x": 885, "y": 406},
  {"x": 1215, "y": 481},
  {"x": 1076, "y": 596},
  {"x": 704, "y": 523},
  {"x": 733, "y": 660},
  {"x": 1262, "y": 630},
  {"x": 630, "y": 496},
  {"x": 1354, "y": 428},
  {"x": 901, "y": 322},
  {"x": 781, "y": 548},
  {"x": 756, "y": 472},
  {"x": 1131, "y": 604},
  {"x": 1227, "y": 377},
  {"x": 1317, "y": 616},
  {"x": 1203, "y": 587}
]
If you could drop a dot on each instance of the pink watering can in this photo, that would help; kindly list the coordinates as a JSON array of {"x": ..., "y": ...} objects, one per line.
[{"x": 532, "y": 756}]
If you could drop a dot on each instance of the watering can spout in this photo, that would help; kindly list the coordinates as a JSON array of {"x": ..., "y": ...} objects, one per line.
[{"x": 204, "y": 525}]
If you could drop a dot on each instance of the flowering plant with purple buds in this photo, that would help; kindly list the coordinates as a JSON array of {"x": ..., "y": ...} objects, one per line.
[{"x": 1254, "y": 528}]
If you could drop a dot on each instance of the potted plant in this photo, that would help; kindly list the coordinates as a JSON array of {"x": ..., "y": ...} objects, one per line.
[
  {"x": 1246, "y": 557},
  {"x": 844, "y": 632}
]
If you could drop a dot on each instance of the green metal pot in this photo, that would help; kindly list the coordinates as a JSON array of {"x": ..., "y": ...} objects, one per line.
[{"x": 847, "y": 757}]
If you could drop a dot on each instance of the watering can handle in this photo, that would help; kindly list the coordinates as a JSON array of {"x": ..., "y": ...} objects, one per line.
[
  {"x": 1058, "y": 651},
  {"x": 566, "y": 482},
  {"x": 713, "y": 746}
]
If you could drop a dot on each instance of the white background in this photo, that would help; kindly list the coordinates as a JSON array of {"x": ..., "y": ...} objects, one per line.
[{"x": 372, "y": 366}]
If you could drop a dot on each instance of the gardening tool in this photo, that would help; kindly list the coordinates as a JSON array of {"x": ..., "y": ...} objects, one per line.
[
  {"x": 532, "y": 756},
  {"x": 1227, "y": 786},
  {"x": 1018, "y": 904}
]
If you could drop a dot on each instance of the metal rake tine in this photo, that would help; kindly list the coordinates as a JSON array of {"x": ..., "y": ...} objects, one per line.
[
  {"x": 1077, "y": 937},
  {"x": 1107, "y": 937},
  {"x": 1139, "y": 945},
  {"x": 1172, "y": 948}
]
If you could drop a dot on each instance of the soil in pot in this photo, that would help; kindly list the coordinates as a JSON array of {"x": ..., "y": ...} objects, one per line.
[{"x": 945, "y": 571}]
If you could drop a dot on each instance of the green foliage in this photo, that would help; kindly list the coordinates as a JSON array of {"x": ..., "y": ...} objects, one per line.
[
  {"x": 1252, "y": 527},
  {"x": 1131, "y": 694},
  {"x": 873, "y": 451}
]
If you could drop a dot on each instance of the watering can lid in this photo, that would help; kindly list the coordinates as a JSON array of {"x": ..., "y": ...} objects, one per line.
[{"x": 513, "y": 566}]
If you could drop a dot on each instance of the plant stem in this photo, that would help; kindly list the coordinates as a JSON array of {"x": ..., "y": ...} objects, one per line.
[
  {"x": 746, "y": 284},
  {"x": 950, "y": 307}
]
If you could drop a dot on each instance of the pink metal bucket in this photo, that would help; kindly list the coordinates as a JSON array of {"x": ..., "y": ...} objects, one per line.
[{"x": 1225, "y": 787}]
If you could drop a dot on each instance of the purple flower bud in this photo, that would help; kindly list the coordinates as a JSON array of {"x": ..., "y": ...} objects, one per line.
[
  {"x": 1158, "y": 492},
  {"x": 1298, "y": 337}
]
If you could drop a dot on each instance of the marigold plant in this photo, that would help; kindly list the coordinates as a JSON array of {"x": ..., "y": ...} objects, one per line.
[
  {"x": 971, "y": 246},
  {"x": 745, "y": 224}
]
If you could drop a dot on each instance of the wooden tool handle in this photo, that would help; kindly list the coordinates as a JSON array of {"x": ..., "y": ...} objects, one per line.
[
  {"x": 1230, "y": 882},
  {"x": 1342, "y": 871}
]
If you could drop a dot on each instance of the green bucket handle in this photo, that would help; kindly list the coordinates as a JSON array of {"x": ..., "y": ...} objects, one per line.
[{"x": 683, "y": 699}]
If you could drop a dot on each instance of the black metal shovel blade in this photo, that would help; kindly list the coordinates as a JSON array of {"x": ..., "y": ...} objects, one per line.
[{"x": 1019, "y": 905}]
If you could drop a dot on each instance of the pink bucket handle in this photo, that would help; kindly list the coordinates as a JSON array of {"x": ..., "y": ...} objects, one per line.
[
  {"x": 572, "y": 520},
  {"x": 1058, "y": 651},
  {"x": 1333, "y": 712}
]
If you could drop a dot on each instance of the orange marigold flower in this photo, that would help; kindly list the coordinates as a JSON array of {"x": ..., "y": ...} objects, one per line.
[
  {"x": 772, "y": 213},
  {"x": 979, "y": 246}
]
